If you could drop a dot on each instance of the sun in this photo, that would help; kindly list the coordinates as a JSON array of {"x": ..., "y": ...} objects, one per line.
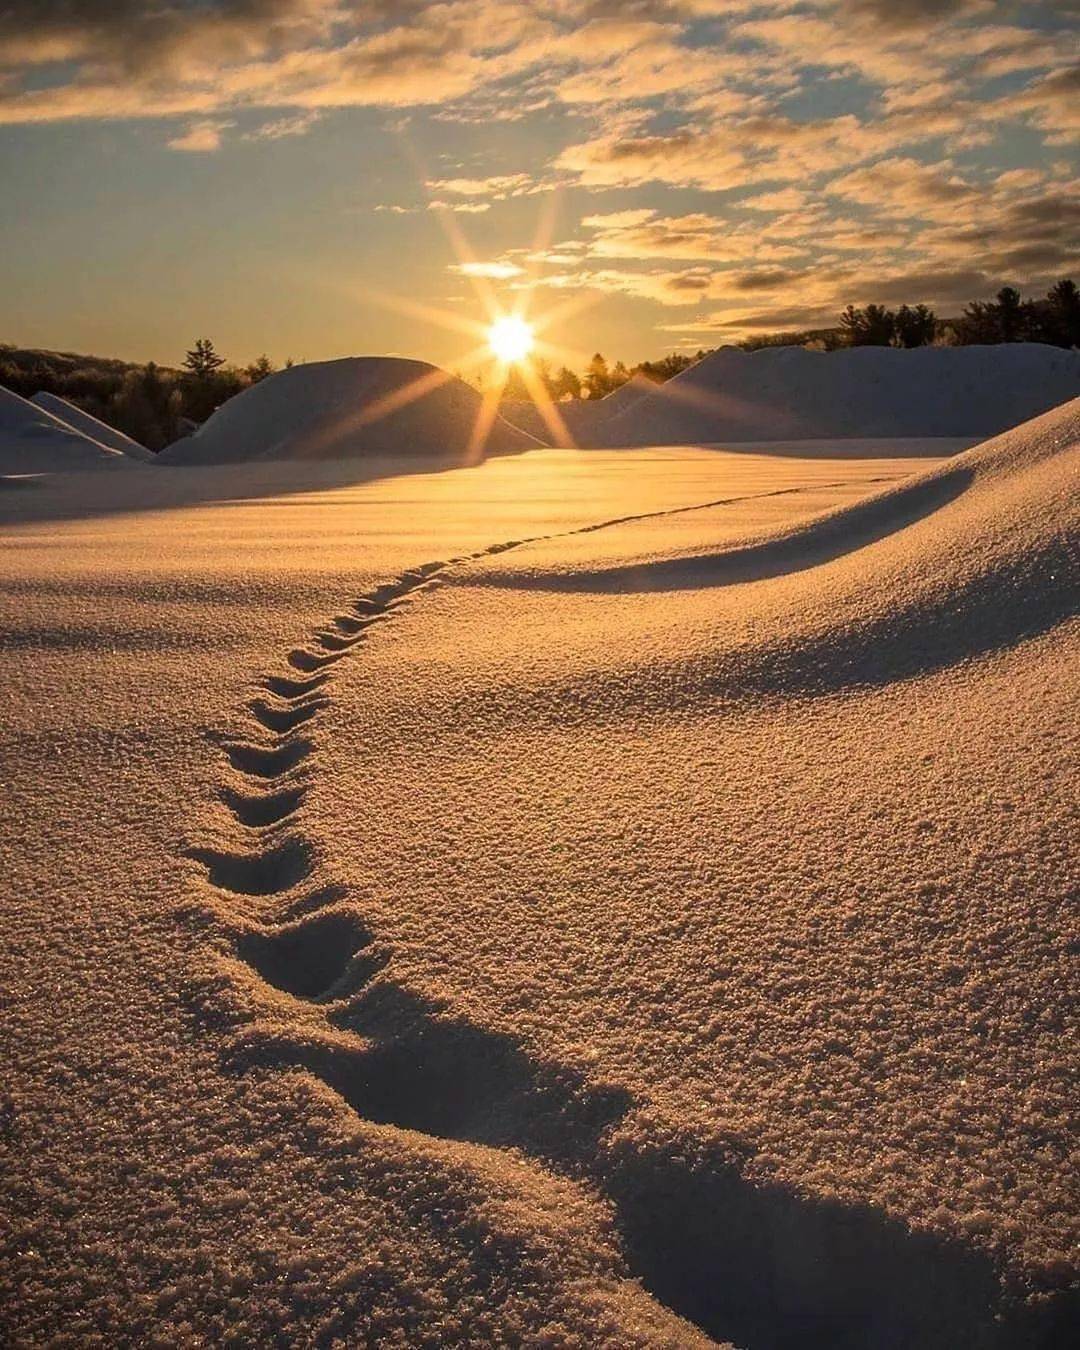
[{"x": 511, "y": 339}]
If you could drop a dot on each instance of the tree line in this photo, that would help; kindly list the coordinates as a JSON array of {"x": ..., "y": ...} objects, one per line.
[
  {"x": 598, "y": 380},
  {"x": 153, "y": 404},
  {"x": 1054, "y": 319}
]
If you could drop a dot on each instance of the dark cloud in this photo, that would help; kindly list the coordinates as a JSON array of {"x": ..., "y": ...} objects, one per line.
[
  {"x": 910, "y": 13},
  {"x": 765, "y": 281}
]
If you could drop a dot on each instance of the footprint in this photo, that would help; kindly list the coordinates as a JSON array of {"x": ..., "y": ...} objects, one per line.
[
  {"x": 335, "y": 642},
  {"x": 350, "y": 626},
  {"x": 284, "y": 719},
  {"x": 310, "y": 958},
  {"x": 276, "y": 869},
  {"x": 263, "y": 809},
  {"x": 294, "y": 689},
  {"x": 268, "y": 762},
  {"x": 302, "y": 659}
]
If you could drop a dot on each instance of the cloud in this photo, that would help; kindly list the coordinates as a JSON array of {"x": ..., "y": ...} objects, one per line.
[
  {"x": 280, "y": 127},
  {"x": 784, "y": 199},
  {"x": 619, "y": 220},
  {"x": 466, "y": 208},
  {"x": 200, "y": 137},
  {"x": 498, "y": 186},
  {"x": 908, "y": 187},
  {"x": 494, "y": 271}
]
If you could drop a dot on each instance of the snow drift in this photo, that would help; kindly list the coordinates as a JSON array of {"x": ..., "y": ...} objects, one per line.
[
  {"x": 972, "y": 556},
  {"x": 583, "y": 418},
  {"x": 789, "y": 393},
  {"x": 32, "y": 440},
  {"x": 356, "y": 407},
  {"x": 91, "y": 426}
]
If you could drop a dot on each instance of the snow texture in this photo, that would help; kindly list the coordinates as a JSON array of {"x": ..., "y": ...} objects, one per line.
[{"x": 619, "y": 899}]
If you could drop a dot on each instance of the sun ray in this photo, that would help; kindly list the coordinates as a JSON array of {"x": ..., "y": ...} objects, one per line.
[{"x": 546, "y": 406}]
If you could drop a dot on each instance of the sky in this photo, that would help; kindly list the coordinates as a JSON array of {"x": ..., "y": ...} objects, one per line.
[{"x": 320, "y": 178}]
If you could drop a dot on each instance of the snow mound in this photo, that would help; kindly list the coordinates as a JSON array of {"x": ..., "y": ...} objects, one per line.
[
  {"x": 32, "y": 440},
  {"x": 965, "y": 559},
  {"x": 356, "y": 407},
  {"x": 582, "y": 418},
  {"x": 628, "y": 395},
  {"x": 789, "y": 393},
  {"x": 90, "y": 426}
]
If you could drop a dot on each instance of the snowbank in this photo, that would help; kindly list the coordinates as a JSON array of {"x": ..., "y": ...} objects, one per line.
[
  {"x": 789, "y": 393},
  {"x": 344, "y": 409},
  {"x": 583, "y": 418},
  {"x": 32, "y": 440},
  {"x": 90, "y": 426}
]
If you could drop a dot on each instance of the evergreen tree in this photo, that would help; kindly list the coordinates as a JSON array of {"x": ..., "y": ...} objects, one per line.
[
  {"x": 1009, "y": 312},
  {"x": 914, "y": 327},
  {"x": 853, "y": 325},
  {"x": 1063, "y": 313},
  {"x": 880, "y": 326},
  {"x": 597, "y": 378},
  {"x": 202, "y": 360},
  {"x": 978, "y": 324},
  {"x": 566, "y": 384},
  {"x": 259, "y": 369}
]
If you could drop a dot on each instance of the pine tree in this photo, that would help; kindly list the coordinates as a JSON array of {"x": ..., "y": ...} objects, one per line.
[
  {"x": 566, "y": 384},
  {"x": 597, "y": 378},
  {"x": 914, "y": 327},
  {"x": 202, "y": 360},
  {"x": 1010, "y": 315},
  {"x": 1063, "y": 304},
  {"x": 259, "y": 369}
]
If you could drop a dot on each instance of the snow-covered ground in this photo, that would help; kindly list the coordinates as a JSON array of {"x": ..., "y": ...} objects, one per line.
[{"x": 617, "y": 898}]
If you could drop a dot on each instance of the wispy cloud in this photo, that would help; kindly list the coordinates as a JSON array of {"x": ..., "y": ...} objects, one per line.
[{"x": 200, "y": 137}]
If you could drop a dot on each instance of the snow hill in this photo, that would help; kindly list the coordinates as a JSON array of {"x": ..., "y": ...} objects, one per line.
[
  {"x": 359, "y": 406},
  {"x": 789, "y": 393},
  {"x": 32, "y": 440},
  {"x": 91, "y": 426},
  {"x": 582, "y": 417}
]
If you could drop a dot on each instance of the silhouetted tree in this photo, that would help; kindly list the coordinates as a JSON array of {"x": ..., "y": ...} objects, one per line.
[
  {"x": 880, "y": 326},
  {"x": 978, "y": 324},
  {"x": 914, "y": 327},
  {"x": 874, "y": 326},
  {"x": 202, "y": 360},
  {"x": 259, "y": 369},
  {"x": 597, "y": 378},
  {"x": 852, "y": 324},
  {"x": 1010, "y": 315},
  {"x": 566, "y": 384},
  {"x": 1063, "y": 314}
]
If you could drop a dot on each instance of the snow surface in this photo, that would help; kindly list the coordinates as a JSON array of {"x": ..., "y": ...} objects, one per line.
[
  {"x": 789, "y": 393},
  {"x": 357, "y": 407},
  {"x": 32, "y": 440},
  {"x": 654, "y": 932},
  {"x": 91, "y": 426}
]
